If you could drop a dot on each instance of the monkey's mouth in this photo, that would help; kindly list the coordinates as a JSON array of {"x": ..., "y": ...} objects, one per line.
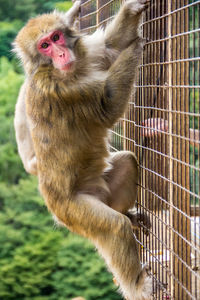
[{"x": 68, "y": 66}]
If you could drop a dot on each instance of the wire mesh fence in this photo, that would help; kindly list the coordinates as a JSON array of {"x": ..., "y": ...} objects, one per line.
[{"x": 162, "y": 126}]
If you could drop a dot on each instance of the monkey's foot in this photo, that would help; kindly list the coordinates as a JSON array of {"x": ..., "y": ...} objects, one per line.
[
  {"x": 144, "y": 284},
  {"x": 142, "y": 289},
  {"x": 137, "y": 6},
  {"x": 140, "y": 220},
  {"x": 32, "y": 166}
]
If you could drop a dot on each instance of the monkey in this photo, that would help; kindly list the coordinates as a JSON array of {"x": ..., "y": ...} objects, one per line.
[
  {"x": 77, "y": 87},
  {"x": 23, "y": 135},
  {"x": 109, "y": 48}
]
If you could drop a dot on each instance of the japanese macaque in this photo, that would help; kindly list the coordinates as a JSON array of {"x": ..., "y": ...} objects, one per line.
[{"x": 76, "y": 88}]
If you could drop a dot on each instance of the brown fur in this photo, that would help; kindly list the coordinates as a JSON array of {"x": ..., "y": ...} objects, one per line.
[{"x": 88, "y": 189}]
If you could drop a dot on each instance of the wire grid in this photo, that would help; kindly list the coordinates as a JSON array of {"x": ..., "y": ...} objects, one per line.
[{"x": 162, "y": 126}]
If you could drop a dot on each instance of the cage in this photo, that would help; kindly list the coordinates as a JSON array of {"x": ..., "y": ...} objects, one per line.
[{"x": 162, "y": 126}]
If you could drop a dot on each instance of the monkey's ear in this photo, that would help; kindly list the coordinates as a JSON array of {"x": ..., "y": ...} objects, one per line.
[
  {"x": 72, "y": 37},
  {"x": 72, "y": 13}
]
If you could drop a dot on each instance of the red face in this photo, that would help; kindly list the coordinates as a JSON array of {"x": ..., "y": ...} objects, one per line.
[{"x": 54, "y": 46}]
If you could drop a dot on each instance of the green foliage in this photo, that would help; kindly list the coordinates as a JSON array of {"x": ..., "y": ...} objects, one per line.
[
  {"x": 194, "y": 175},
  {"x": 194, "y": 108},
  {"x": 20, "y": 9},
  {"x": 75, "y": 258},
  {"x": 194, "y": 101},
  {"x": 10, "y": 82},
  {"x": 50, "y": 5},
  {"x": 63, "y": 6},
  {"x": 28, "y": 247},
  {"x": 10, "y": 164},
  {"x": 24, "y": 9},
  {"x": 8, "y": 31},
  {"x": 37, "y": 260}
]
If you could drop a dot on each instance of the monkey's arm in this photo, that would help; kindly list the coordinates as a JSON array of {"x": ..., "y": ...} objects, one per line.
[
  {"x": 105, "y": 46},
  {"x": 23, "y": 135},
  {"x": 119, "y": 82},
  {"x": 124, "y": 28}
]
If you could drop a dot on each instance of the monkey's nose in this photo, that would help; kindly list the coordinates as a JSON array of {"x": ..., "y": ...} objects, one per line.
[{"x": 62, "y": 54}]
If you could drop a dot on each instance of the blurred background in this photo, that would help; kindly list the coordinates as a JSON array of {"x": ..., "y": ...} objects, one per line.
[{"x": 38, "y": 260}]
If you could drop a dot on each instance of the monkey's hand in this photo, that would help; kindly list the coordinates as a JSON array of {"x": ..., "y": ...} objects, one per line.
[
  {"x": 136, "y": 6},
  {"x": 32, "y": 166},
  {"x": 140, "y": 220}
]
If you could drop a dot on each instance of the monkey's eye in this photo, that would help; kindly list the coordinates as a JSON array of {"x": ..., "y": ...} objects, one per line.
[
  {"x": 45, "y": 45},
  {"x": 56, "y": 37}
]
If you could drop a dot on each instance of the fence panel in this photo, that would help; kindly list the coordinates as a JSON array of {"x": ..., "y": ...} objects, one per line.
[{"x": 162, "y": 126}]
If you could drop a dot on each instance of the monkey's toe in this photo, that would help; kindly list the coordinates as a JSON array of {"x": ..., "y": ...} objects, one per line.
[{"x": 32, "y": 166}]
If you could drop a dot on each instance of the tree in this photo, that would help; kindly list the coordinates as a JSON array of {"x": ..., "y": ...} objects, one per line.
[
  {"x": 24, "y": 9},
  {"x": 21, "y": 9},
  {"x": 10, "y": 163},
  {"x": 40, "y": 262}
]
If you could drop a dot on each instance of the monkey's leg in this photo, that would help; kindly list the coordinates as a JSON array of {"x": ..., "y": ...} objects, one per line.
[
  {"x": 124, "y": 28},
  {"x": 111, "y": 233},
  {"x": 23, "y": 135},
  {"x": 122, "y": 180}
]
